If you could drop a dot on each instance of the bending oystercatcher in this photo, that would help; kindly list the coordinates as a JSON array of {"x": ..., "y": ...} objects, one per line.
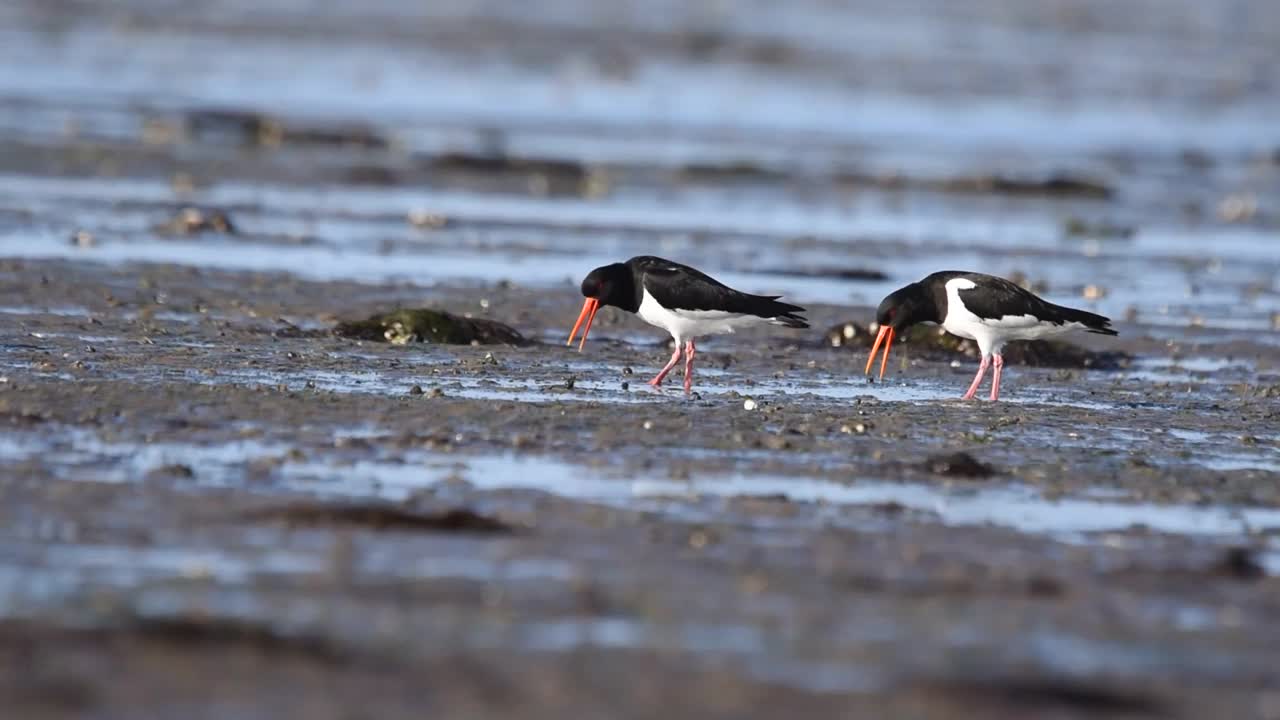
[
  {"x": 681, "y": 300},
  {"x": 989, "y": 310}
]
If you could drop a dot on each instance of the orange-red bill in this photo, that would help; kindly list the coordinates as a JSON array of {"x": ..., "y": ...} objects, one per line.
[
  {"x": 589, "y": 310},
  {"x": 884, "y": 336}
]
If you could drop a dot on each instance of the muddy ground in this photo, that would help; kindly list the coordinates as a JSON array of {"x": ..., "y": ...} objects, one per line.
[
  {"x": 213, "y": 506},
  {"x": 632, "y": 548}
]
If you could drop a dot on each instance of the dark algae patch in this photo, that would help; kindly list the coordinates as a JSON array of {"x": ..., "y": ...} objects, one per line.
[
  {"x": 1240, "y": 563},
  {"x": 430, "y": 326},
  {"x": 544, "y": 176},
  {"x": 218, "y": 126},
  {"x": 1039, "y": 695},
  {"x": 382, "y": 517},
  {"x": 1052, "y": 186},
  {"x": 193, "y": 632},
  {"x": 958, "y": 464}
]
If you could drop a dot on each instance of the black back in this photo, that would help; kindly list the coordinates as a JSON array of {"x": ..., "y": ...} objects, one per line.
[
  {"x": 680, "y": 287},
  {"x": 994, "y": 297}
]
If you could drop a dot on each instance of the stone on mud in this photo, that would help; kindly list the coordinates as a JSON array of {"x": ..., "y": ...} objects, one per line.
[{"x": 194, "y": 220}]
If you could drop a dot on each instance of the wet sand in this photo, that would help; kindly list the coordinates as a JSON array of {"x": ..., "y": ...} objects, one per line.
[{"x": 215, "y": 507}]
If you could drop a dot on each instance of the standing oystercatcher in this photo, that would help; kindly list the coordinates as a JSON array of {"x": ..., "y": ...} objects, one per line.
[
  {"x": 681, "y": 300},
  {"x": 979, "y": 307}
]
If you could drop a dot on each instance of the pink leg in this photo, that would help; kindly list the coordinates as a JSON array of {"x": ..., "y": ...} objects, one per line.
[
  {"x": 977, "y": 379},
  {"x": 689, "y": 351},
  {"x": 662, "y": 374},
  {"x": 995, "y": 379}
]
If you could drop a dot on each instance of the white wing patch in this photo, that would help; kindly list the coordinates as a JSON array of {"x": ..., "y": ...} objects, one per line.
[{"x": 692, "y": 324}]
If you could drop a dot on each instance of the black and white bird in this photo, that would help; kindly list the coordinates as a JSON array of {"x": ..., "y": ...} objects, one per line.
[
  {"x": 685, "y": 302},
  {"x": 989, "y": 310}
]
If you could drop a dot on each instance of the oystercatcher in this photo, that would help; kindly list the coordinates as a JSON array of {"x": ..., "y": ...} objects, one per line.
[
  {"x": 681, "y": 300},
  {"x": 989, "y": 310}
]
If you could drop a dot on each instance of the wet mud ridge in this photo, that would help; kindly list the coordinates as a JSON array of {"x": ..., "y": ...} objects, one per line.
[{"x": 285, "y": 400}]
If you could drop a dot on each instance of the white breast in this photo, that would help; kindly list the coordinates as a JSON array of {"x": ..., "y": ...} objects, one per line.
[
  {"x": 692, "y": 324},
  {"x": 991, "y": 334}
]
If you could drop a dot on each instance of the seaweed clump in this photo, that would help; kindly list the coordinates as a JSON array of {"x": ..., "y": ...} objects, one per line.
[{"x": 424, "y": 325}]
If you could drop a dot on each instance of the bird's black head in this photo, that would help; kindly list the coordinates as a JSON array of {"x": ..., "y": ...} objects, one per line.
[
  {"x": 606, "y": 285},
  {"x": 902, "y": 308},
  {"x": 905, "y": 307},
  {"x": 612, "y": 285}
]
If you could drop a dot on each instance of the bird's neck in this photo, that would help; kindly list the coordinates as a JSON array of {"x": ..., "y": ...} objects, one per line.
[{"x": 627, "y": 293}]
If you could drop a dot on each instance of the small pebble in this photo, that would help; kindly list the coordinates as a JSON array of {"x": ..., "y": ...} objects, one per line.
[
  {"x": 748, "y": 404},
  {"x": 648, "y": 425},
  {"x": 1237, "y": 208},
  {"x": 430, "y": 220},
  {"x": 415, "y": 390}
]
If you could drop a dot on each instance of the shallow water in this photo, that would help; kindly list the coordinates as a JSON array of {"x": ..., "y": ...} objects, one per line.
[
  {"x": 1166, "y": 282},
  {"x": 1024, "y": 509}
]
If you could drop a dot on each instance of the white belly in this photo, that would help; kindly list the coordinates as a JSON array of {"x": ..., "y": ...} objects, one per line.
[{"x": 692, "y": 324}]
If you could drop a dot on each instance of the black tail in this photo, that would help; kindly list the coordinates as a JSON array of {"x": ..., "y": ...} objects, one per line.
[
  {"x": 782, "y": 313},
  {"x": 1092, "y": 322}
]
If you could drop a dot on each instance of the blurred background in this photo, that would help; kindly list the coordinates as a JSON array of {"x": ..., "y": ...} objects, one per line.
[{"x": 1125, "y": 154}]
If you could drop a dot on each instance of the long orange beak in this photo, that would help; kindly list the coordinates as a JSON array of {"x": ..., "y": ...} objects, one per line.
[
  {"x": 885, "y": 336},
  {"x": 589, "y": 310}
]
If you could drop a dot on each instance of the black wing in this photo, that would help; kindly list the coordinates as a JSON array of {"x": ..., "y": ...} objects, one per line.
[
  {"x": 680, "y": 287},
  {"x": 994, "y": 297}
]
